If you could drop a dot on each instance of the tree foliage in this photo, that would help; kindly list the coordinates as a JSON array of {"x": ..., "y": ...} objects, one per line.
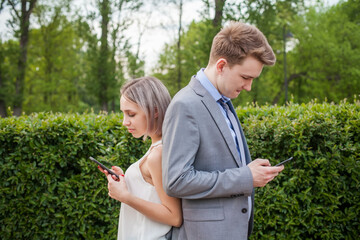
[
  {"x": 328, "y": 49},
  {"x": 20, "y": 22},
  {"x": 9, "y": 51},
  {"x": 322, "y": 51},
  {"x": 70, "y": 68},
  {"x": 53, "y": 64},
  {"x": 107, "y": 54},
  {"x": 196, "y": 44},
  {"x": 79, "y": 61}
]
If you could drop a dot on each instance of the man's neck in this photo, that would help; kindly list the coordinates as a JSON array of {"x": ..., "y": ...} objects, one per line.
[{"x": 210, "y": 74}]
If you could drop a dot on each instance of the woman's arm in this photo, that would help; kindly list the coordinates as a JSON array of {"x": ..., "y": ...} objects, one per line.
[{"x": 167, "y": 212}]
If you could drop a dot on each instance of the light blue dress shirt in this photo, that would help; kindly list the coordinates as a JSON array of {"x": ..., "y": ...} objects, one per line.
[{"x": 217, "y": 96}]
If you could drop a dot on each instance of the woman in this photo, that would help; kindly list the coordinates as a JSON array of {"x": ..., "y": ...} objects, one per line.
[{"x": 147, "y": 212}]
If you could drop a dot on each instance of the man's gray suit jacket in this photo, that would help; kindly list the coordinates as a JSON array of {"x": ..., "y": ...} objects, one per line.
[{"x": 201, "y": 165}]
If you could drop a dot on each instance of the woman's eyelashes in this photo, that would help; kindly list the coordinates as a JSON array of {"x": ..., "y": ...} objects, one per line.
[{"x": 131, "y": 114}]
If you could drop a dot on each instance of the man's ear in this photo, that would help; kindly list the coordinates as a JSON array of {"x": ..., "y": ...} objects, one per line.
[{"x": 220, "y": 64}]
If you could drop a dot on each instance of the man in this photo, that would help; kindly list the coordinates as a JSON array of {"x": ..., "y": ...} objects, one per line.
[{"x": 206, "y": 160}]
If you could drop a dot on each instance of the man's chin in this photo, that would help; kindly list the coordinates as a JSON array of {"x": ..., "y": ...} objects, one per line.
[{"x": 235, "y": 95}]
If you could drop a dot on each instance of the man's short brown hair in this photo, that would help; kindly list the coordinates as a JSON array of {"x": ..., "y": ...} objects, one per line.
[{"x": 239, "y": 40}]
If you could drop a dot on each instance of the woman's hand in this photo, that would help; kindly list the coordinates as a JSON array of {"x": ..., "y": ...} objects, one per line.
[
  {"x": 115, "y": 169},
  {"x": 117, "y": 187}
]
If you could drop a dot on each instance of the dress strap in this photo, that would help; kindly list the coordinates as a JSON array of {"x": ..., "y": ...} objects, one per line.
[
  {"x": 152, "y": 146},
  {"x": 156, "y": 143}
]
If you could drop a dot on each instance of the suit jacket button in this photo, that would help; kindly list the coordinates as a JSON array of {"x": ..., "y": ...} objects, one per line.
[{"x": 244, "y": 210}]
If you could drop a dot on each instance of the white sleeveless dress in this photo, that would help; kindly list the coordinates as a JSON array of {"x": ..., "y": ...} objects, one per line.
[{"x": 132, "y": 224}]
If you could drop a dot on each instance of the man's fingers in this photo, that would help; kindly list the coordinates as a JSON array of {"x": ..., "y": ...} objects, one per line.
[
  {"x": 262, "y": 162},
  {"x": 277, "y": 169}
]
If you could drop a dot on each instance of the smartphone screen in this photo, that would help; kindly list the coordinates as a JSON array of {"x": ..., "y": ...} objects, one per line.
[
  {"x": 283, "y": 162},
  {"x": 103, "y": 167}
]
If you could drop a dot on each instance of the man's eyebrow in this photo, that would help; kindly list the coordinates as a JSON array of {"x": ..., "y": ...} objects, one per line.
[{"x": 248, "y": 76}]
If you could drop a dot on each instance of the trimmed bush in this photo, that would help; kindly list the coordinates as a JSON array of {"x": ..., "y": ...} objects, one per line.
[
  {"x": 49, "y": 187},
  {"x": 317, "y": 195},
  {"x": 50, "y": 190}
]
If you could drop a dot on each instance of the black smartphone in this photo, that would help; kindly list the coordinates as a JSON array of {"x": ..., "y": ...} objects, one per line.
[
  {"x": 103, "y": 167},
  {"x": 283, "y": 162}
]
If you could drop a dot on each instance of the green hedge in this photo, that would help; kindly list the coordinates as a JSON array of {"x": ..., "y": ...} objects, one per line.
[
  {"x": 50, "y": 190},
  {"x": 49, "y": 187},
  {"x": 317, "y": 196}
]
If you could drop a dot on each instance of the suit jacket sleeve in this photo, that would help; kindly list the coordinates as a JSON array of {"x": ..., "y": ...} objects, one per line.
[{"x": 181, "y": 142}]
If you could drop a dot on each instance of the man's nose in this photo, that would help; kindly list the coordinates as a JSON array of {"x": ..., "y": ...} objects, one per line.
[{"x": 247, "y": 86}]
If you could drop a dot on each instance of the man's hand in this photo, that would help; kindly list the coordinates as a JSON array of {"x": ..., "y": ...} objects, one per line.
[{"x": 263, "y": 172}]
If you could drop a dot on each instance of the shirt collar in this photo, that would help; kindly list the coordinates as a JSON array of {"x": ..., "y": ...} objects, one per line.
[{"x": 205, "y": 82}]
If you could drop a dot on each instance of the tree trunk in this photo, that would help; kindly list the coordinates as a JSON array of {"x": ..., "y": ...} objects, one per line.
[
  {"x": 2, "y": 97},
  {"x": 24, "y": 19},
  {"x": 113, "y": 105},
  {"x": 103, "y": 73},
  {"x": 219, "y": 8},
  {"x": 292, "y": 77},
  {"x": 2, "y": 109}
]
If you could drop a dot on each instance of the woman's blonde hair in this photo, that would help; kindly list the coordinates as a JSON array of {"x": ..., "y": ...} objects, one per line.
[{"x": 151, "y": 95}]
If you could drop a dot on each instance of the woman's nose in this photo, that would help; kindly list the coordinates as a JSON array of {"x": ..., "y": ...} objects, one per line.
[{"x": 126, "y": 121}]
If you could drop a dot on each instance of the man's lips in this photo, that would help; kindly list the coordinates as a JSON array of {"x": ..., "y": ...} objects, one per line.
[{"x": 130, "y": 130}]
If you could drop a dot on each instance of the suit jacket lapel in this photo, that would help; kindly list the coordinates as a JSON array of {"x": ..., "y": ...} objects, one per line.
[
  {"x": 217, "y": 116},
  {"x": 246, "y": 148}
]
